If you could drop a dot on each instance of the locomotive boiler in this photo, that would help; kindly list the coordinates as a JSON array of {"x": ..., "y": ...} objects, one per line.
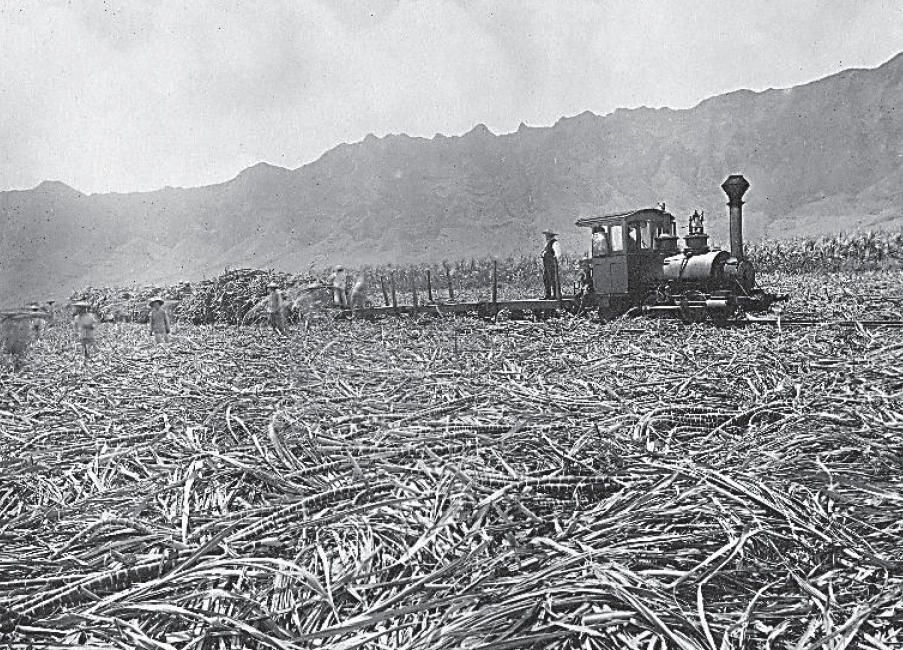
[{"x": 636, "y": 265}]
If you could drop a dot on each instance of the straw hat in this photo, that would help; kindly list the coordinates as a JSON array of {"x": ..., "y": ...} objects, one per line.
[
  {"x": 549, "y": 233},
  {"x": 272, "y": 285},
  {"x": 339, "y": 267},
  {"x": 155, "y": 299}
]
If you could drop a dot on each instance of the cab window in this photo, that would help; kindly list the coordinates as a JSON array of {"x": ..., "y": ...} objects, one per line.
[
  {"x": 616, "y": 238},
  {"x": 633, "y": 237},
  {"x": 600, "y": 242},
  {"x": 648, "y": 235},
  {"x": 639, "y": 236}
]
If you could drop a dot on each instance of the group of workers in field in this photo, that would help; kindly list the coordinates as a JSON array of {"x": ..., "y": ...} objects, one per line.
[
  {"x": 86, "y": 324},
  {"x": 341, "y": 298},
  {"x": 161, "y": 326},
  {"x": 275, "y": 303}
]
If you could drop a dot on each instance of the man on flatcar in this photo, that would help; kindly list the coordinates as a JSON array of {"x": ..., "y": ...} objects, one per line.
[{"x": 551, "y": 253}]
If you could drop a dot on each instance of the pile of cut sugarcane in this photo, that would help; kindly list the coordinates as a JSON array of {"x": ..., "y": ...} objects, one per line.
[
  {"x": 455, "y": 484},
  {"x": 233, "y": 298}
]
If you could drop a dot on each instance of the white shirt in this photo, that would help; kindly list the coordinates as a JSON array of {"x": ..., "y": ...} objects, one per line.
[{"x": 274, "y": 302}]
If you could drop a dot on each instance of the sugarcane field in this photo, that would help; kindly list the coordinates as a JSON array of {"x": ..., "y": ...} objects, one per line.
[
  {"x": 457, "y": 482},
  {"x": 451, "y": 325}
]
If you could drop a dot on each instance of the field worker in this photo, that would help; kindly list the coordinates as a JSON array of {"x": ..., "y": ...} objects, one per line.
[
  {"x": 276, "y": 309},
  {"x": 37, "y": 324},
  {"x": 551, "y": 253},
  {"x": 339, "y": 287},
  {"x": 85, "y": 323},
  {"x": 358, "y": 297},
  {"x": 159, "y": 321}
]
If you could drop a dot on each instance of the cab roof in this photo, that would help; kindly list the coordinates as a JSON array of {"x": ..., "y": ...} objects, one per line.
[{"x": 642, "y": 214}]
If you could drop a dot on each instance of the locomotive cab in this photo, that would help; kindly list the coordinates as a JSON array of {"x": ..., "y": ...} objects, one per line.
[{"x": 626, "y": 253}]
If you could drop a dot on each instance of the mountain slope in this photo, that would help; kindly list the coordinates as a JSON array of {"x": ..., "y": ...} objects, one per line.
[{"x": 824, "y": 156}]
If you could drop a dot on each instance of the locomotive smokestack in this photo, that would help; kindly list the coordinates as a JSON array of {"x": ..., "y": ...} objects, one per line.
[{"x": 735, "y": 186}]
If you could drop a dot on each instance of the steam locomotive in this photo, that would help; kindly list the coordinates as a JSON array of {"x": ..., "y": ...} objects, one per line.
[{"x": 636, "y": 266}]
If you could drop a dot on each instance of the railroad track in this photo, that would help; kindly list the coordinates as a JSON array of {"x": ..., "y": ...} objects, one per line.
[{"x": 814, "y": 322}]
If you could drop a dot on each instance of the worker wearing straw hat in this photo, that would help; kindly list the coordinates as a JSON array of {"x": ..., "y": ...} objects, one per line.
[
  {"x": 276, "y": 309},
  {"x": 339, "y": 287},
  {"x": 357, "y": 299},
  {"x": 85, "y": 324},
  {"x": 551, "y": 252},
  {"x": 37, "y": 324},
  {"x": 160, "y": 327}
]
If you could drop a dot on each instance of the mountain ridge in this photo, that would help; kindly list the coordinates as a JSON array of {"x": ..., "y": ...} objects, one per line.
[{"x": 825, "y": 155}]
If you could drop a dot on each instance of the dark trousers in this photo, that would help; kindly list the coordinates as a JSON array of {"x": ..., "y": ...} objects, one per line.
[
  {"x": 550, "y": 278},
  {"x": 277, "y": 321}
]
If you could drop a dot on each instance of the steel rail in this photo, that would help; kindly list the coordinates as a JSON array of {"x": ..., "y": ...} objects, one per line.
[{"x": 810, "y": 322}]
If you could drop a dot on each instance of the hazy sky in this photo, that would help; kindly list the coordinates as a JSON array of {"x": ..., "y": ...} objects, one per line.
[{"x": 138, "y": 94}]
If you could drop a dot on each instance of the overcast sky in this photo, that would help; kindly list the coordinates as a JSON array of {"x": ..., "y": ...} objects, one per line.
[{"x": 138, "y": 94}]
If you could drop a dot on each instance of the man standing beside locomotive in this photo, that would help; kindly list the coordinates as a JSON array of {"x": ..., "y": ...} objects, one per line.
[{"x": 551, "y": 253}]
